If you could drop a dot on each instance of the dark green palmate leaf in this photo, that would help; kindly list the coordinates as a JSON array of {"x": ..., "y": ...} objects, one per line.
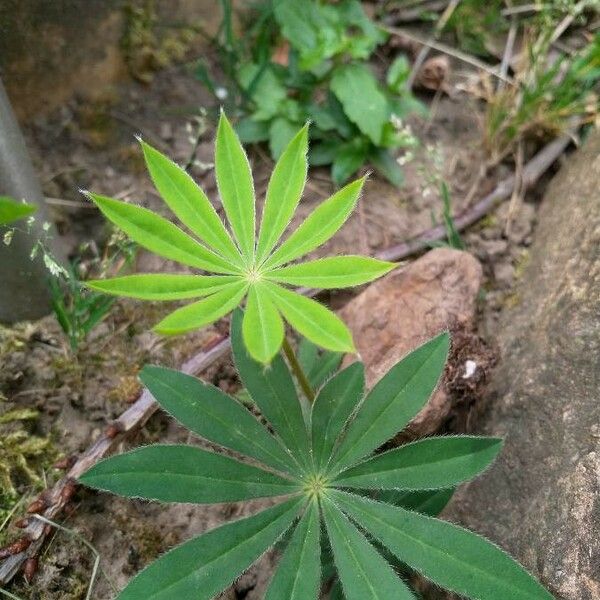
[
  {"x": 431, "y": 463},
  {"x": 206, "y": 565},
  {"x": 184, "y": 474},
  {"x": 272, "y": 389},
  {"x": 452, "y": 557},
  {"x": 215, "y": 416},
  {"x": 297, "y": 576},
  {"x": 427, "y": 502},
  {"x": 393, "y": 402},
  {"x": 363, "y": 572}
]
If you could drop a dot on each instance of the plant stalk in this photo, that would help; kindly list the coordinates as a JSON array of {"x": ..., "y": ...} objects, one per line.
[{"x": 298, "y": 370}]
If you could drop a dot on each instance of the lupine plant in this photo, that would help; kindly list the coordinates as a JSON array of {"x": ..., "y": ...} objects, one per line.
[{"x": 330, "y": 493}]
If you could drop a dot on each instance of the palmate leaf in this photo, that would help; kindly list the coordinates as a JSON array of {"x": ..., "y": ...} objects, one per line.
[
  {"x": 451, "y": 556},
  {"x": 298, "y": 573},
  {"x": 215, "y": 416},
  {"x": 160, "y": 236},
  {"x": 393, "y": 402},
  {"x": 363, "y": 572},
  {"x": 425, "y": 464},
  {"x": 262, "y": 328},
  {"x": 427, "y": 502},
  {"x": 189, "y": 203},
  {"x": 283, "y": 193},
  {"x": 236, "y": 188},
  {"x": 206, "y": 565},
  {"x": 332, "y": 272},
  {"x": 184, "y": 474},
  {"x": 272, "y": 389},
  {"x": 204, "y": 312},
  {"x": 332, "y": 407},
  {"x": 312, "y": 319},
  {"x": 319, "y": 226},
  {"x": 162, "y": 286}
]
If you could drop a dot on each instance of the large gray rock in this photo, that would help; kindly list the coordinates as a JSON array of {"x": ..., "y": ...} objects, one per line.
[{"x": 541, "y": 500}]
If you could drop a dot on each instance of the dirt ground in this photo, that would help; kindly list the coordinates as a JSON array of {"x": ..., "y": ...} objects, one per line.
[{"x": 92, "y": 146}]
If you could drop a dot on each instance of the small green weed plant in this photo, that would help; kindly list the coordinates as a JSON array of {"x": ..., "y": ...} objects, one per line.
[
  {"x": 308, "y": 61},
  {"x": 336, "y": 507}
]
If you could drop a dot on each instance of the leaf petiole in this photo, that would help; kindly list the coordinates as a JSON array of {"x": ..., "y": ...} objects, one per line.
[{"x": 298, "y": 370}]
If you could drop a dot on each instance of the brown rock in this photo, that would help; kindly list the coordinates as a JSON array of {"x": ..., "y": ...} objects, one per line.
[{"x": 398, "y": 313}]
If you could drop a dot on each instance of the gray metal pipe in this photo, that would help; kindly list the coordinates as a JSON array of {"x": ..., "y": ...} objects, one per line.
[{"x": 24, "y": 292}]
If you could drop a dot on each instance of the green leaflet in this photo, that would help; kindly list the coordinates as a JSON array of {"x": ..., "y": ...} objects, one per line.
[
  {"x": 319, "y": 226},
  {"x": 319, "y": 365},
  {"x": 204, "y": 312},
  {"x": 262, "y": 329},
  {"x": 452, "y": 557},
  {"x": 281, "y": 133},
  {"x": 11, "y": 210},
  {"x": 184, "y": 474},
  {"x": 332, "y": 272},
  {"x": 162, "y": 286},
  {"x": 234, "y": 180},
  {"x": 283, "y": 193},
  {"x": 187, "y": 200},
  {"x": 364, "y": 103},
  {"x": 363, "y": 572},
  {"x": 297, "y": 575},
  {"x": 272, "y": 389},
  {"x": 206, "y": 565},
  {"x": 428, "y": 502},
  {"x": 332, "y": 408},
  {"x": 425, "y": 464},
  {"x": 312, "y": 319},
  {"x": 215, "y": 416},
  {"x": 393, "y": 402},
  {"x": 160, "y": 236}
]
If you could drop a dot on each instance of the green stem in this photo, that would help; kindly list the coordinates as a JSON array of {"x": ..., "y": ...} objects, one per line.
[{"x": 298, "y": 370}]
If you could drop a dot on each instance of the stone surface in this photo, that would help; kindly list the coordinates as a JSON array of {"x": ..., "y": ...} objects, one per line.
[
  {"x": 398, "y": 313},
  {"x": 541, "y": 500}
]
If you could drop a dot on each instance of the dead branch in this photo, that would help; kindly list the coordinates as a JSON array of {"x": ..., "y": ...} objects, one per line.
[{"x": 52, "y": 502}]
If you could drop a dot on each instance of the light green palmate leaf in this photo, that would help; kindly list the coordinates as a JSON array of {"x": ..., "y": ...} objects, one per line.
[
  {"x": 184, "y": 474},
  {"x": 332, "y": 407},
  {"x": 439, "y": 462},
  {"x": 160, "y": 236},
  {"x": 298, "y": 573},
  {"x": 363, "y": 572},
  {"x": 319, "y": 226},
  {"x": 215, "y": 416},
  {"x": 283, "y": 193},
  {"x": 204, "y": 312},
  {"x": 236, "y": 188},
  {"x": 451, "y": 556},
  {"x": 11, "y": 210},
  {"x": 312, "y": 319},
  {"x": 332, "y": 272},
  {"x": 263, "y": 328},
  {"x": 393, "y": 402},
  {"x": 272, "y": 389},
  {"x": 364, "y": 103},
  {"x": 206, "y": 565},
  {"x": 162, "y": 286},
  {"x": 191, "y": 205}
]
